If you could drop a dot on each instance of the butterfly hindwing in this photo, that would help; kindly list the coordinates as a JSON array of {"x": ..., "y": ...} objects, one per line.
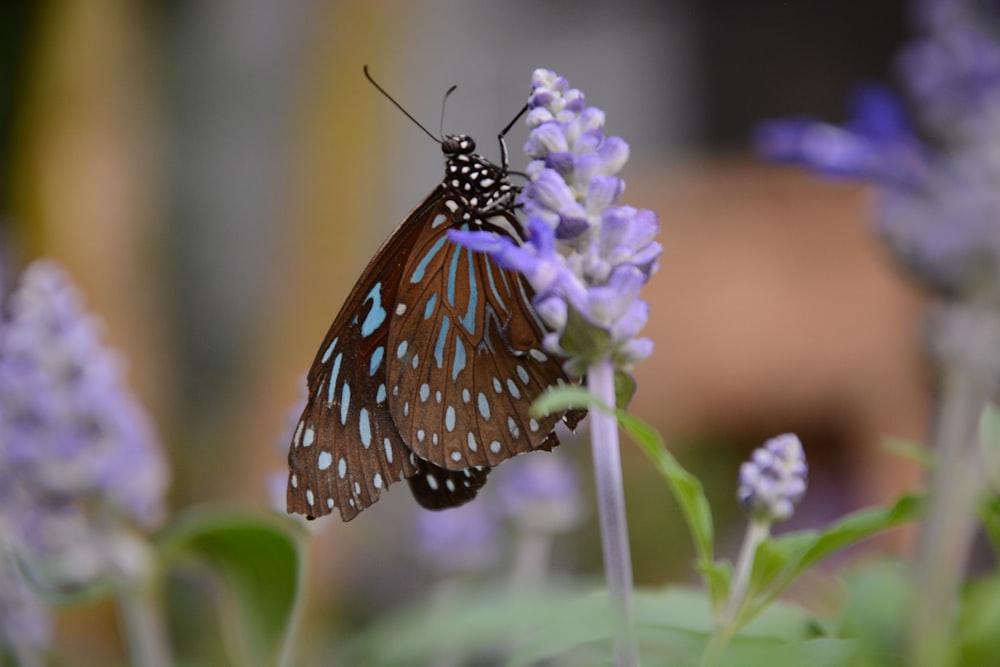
[{"x": 467, "y": 363}]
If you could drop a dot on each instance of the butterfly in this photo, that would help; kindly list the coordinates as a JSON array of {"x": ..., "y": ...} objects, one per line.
[{"x": 429, "y": 370}]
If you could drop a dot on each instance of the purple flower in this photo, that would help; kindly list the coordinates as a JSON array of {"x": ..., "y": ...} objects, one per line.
[
  {"x": 877, "y": 143},
  {"x": 586, "y": 257},
  {"x": 541, "y": 493},
  {"x": 460, "y": 539},
  {"x": 78, "y": 456},
  {"x": 773, "y": 481},
  {"x": 938, "y": 208},
  {"x": 952, "y": 69}
]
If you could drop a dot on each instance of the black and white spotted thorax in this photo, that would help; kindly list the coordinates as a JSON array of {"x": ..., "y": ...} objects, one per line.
[{"x": 476, "y": 188}]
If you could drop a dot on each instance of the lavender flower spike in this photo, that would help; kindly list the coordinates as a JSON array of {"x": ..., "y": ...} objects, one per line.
[
  {"x": 586, "y": 257},
  {"x": 773, "y": 481},
  {"x": 88, "y": 465}
]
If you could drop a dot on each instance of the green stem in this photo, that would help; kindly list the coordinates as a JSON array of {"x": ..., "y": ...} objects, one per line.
[
  {"x": 731, "y": 618},
  {"x": 757, "y": 532},
  {"x": 611, "y": 510},
  {"x": 949, "y": 528},
  {"x": 142, "y": 625},
  {"x": 531, "y": 560}
]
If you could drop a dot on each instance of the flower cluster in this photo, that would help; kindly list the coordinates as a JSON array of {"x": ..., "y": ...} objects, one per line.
[
  {"x": 939, "y": 204},
  {"x": 773, "y": 481},
  {"x": 78, "y": 457},
  {"x": 586, "y": 257}
]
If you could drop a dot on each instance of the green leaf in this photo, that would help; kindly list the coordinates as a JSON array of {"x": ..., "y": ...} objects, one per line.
[
  {"x": 989, "y": 514},
  {"x": 559, "y": 399},
  {"x": 581, "y": 339},
  {"x": 979, "y": 618},
  {"x": 476, "y": 620},
  {"x": 686, "y": 487},
  {"x": 879, "y": 599},
  {"x": 780, "y": 561},
  {"x": 911, "y": 450},
  {"x": 717, "y": 576},
  {"x": 820, "y": 652},
  {"x": 257, "y": 558},
  {"x": 625, "y": 387}
]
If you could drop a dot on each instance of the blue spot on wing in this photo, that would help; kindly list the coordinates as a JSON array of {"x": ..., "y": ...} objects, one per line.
[
  {"x": 365, "y": 428},
  {"x": 377, "y": 313},
  {"x": 345, "y": 402},
  {"x": 429, "y": 308},
  {"x": 329, "y": 350},
  {"x": 490, "y": 266},
  {"x": 453, "y": 277},
  {"x": 418, "y": 273},
  {"x": 459, "y": 364},
  {"x": 376, "y": 360},
  {"x": 442, "y": 336},
  {"x": 333, "y": 377},
  {"x": 469, "y": 321}
]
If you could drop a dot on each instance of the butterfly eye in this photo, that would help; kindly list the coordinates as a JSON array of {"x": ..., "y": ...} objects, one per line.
[{"x": 457, "y": 144}]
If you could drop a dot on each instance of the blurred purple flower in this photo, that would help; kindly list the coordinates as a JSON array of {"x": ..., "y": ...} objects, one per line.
[
  {"x": 585, "y": 257},
  {"x": 952, "y": 69},
  {"x": 78, "y": 456},
  {"x": 773, "y": 481},
  {"x": 460, "y": 539},
  {"x": 939, "y": 209},
  {"x": 877, "y": 143},
  {"x": 541, "y": 493}
]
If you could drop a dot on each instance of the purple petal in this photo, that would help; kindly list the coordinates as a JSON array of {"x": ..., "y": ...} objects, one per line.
[
  {"x": 544, "y": 139},
  {"x": 551, "y": 190},
  {"x": 614, "y": 154},
  {"x": 603, "y": 192}
]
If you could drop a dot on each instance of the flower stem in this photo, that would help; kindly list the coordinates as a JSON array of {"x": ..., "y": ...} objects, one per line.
[
  {"x": 531, "y": 560},
  {"x": 948, "y": 530},
  {"x": 757, "y": 532},
  {"x": 611, "y": 510},
  {"x": 729, "y": 620},
  {"x": 142, "y": 625},
  {"x": 950, "y": 524}
]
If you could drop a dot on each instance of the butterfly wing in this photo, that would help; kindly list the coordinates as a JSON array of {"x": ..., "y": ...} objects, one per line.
[
  {"x": 346, "y": 448},
  {"x": 430, "y": 369},
  {"x": 465, "y": 361}
]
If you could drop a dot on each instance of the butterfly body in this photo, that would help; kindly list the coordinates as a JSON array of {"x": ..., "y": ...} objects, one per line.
[{"x": 428, "y": 371}]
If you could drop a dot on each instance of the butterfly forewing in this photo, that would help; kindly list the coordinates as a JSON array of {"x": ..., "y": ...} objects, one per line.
[{"x": 346, "y": 448}]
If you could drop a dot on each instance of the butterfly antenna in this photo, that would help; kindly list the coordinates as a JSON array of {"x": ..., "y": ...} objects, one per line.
[
  {"x": 503, "y": 143},
  {"x": 400, "y": 106},
  {"x": 444, "y": 101}
]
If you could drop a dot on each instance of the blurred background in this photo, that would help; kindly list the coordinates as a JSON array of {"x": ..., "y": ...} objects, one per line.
[{"x": 216, "y": 174}]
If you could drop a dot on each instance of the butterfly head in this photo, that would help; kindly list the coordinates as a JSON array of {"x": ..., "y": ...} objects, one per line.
[{"x": 457, "y": 144}]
